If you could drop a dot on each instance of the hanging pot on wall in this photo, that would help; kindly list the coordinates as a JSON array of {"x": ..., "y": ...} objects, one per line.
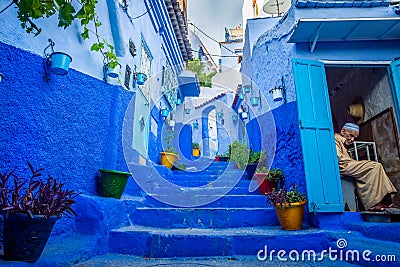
[
  {"x": 141, "y": 78},
  {"x": 277, "y": 94},
  {"x": 60, "y": 63},
  {"x": 113, "y": 72},
  {"x": 254, "y": 101}
]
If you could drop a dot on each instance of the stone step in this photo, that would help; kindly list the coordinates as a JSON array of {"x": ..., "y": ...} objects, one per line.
[
  {"x": 196, "y": 242},
  {"x": 203, "y": 181},
  {"x": 208, "y": 217},
  {"x": 229, "y": 201},
  {"x": 205, "y": 190},
  {"x": 363, "y": 251}
]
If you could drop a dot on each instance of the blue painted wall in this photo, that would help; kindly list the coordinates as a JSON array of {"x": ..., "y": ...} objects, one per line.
[
  {"x": 283, "y": 149},
  {"x": 266, "y": 73},
  {"x": 70, "y": 126}
]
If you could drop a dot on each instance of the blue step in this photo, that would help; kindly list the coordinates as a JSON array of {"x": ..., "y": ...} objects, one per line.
[
  {"x": 208, "y": 217},
  {"x": 378, "y": 252},
  {"x": 194, "y": 242},
  {"x": 205, "y": 181},
  {"x": 249, "y": 201},
  {"x": 206, "y": 190}
]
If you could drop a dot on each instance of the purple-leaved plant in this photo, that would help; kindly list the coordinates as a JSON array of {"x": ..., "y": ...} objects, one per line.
[{"x": 35, "y": 196}]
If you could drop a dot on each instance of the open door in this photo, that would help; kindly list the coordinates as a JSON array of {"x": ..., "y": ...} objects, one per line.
[
  {"x": 317, "y": 137},
  {"x": 395, "y": 73}
]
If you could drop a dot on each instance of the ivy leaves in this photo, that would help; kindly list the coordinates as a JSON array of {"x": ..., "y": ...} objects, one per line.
[{"x": 29, "y": 10}]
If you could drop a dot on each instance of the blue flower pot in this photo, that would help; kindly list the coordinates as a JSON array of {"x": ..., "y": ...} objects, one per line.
[
  {"x": 254, "y": 101},
  {"x": 246, "y": 89},
  {"x": 60, "y": 63},
  {"x": 178, "y": 101},
  {"x": 164, "y": 113},
  {"x": 141, "y": 78},
  {"x": 234, "y": 117},
  {"x": 241, "y": 96}
]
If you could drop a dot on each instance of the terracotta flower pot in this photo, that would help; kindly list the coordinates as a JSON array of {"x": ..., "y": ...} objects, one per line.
[
  {"x": 265, "y": 185},
  {"x": 291, "y": 216}
]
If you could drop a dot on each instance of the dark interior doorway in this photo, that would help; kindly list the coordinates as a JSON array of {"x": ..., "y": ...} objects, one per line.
[{"x": 363, "y": 95}]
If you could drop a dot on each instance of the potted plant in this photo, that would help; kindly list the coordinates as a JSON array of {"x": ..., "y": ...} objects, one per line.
[
  {"x": 223, "y": 157},
  {"x": 268, "y": 179},
  {"x": 239, "y": 154},
  {"x": 255, "y": 157},
  {"x": 289, "y": 206},
  {"x": 169, "y": 155},
  {"x": 195, "y": 149},
  {"x": 112, "y": 183},
  {"x": 30, "y": 207}
]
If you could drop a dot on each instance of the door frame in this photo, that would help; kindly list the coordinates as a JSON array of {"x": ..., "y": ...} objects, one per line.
[{"x": 367, "y": 64}]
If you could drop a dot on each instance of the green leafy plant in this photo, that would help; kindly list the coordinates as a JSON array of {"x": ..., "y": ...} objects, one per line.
[
  {"x": 257, "y": 156},
  {"x": 35, "y": 196},
  {"x": 198, "y": 67},
  {"x": 239, "y": 153},
  {"x": 284, "y": 196},
  {"x": 170, "y": 135},
  {"x": 30, "y": 10},
  {"x": 195, "y": 146}
]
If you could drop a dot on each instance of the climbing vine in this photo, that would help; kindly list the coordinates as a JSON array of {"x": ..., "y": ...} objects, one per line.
[{"x": 30, "y": 10}]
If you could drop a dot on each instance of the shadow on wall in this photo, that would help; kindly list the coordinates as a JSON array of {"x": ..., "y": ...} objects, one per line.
[{"x": 286, "y": 142}]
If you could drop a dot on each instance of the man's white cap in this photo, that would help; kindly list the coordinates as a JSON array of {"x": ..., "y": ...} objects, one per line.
[{"x": 351, "y": 126}]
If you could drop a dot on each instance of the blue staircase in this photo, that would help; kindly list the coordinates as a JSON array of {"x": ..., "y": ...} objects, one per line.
[{"x": 236, "y": 223}]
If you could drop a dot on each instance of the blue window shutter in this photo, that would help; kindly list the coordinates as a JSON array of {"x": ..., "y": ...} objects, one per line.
[{"x": 324, "y": 188}]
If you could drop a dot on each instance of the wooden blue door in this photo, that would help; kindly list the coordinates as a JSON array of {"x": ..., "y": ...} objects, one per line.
[{"x": 317, "y": 137}]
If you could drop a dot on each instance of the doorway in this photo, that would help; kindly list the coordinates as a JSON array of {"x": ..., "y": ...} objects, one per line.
[
  {"x": 364, "y": 95},
  {"x": 324, "y": 187}
]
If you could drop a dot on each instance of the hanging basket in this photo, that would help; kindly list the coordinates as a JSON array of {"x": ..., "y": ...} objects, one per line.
[
  {"x": 60, "y": 63},
  {"x": 141, "y": 78},
  {"x": 24, "y": 238},
  {"x": 112, "y": 183}
]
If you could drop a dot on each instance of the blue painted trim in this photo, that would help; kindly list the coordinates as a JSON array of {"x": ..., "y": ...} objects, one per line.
[
  {"x": 115, "y": 28},
  {"x": 163, "y": 25}
]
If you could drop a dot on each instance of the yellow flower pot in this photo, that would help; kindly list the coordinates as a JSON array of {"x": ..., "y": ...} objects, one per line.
[
  {"x": 291, "y": 217},
  {"x": 196, "y": 152},
  {"x": 168, "y": 159}
]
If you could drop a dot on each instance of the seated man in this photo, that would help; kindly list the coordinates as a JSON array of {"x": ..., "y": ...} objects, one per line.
[{"x": 373, "y": 186}]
